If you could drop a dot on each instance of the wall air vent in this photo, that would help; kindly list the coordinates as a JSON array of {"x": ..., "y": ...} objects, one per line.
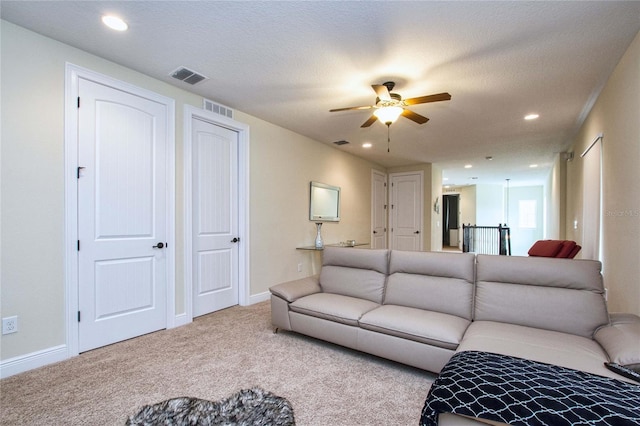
[
  {"x": 187, "y": 75},
  {"x": 217, "y": 108},
  {"x": 342, "y": 142}
]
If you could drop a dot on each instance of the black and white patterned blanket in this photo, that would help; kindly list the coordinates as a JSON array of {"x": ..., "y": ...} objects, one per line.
[{"x": 523, "y": 392}]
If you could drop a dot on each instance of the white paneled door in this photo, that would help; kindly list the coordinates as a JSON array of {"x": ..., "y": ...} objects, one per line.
[
  {"x": 215, "y": 217},
  {"x": 406, "y": 211},
  {"x": 122, "y": 215}
]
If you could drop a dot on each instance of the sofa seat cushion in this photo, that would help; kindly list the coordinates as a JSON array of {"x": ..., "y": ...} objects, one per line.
[
  {"x": 551, "y": 347},
  {"x": 433, "y": 328},
  {"x": 333, "y": 307}
]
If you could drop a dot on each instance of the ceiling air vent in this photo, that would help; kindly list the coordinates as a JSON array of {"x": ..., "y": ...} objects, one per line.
[
  {"x": 217, "y": 108},
  {"x": 342, "y": 142},
  {"x": 187, "y": 75}
]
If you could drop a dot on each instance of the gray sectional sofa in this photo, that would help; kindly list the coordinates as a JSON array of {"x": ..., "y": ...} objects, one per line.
[{"x": 420, "y": 308}]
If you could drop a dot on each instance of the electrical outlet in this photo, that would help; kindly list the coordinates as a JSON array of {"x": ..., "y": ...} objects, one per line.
[
  {"x": 299, "y": 267},
  {"x": 9, "y": 325}
]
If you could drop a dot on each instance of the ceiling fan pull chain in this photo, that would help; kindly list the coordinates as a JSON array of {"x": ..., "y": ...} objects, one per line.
[{"x": 388, "y": 136}]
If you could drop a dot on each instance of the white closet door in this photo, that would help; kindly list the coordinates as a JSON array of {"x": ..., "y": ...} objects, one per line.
[
  {"x": 122, "y": 215},
  {"x": 215, "y": 217},
  {"x": 406, "y": 211}
]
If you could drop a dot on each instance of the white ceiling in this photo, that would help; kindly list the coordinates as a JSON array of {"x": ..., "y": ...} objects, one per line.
[{"x": 290, "y": 62}]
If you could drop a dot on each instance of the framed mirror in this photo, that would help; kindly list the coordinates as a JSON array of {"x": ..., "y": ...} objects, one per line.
[{"x": 324, "y": 202}]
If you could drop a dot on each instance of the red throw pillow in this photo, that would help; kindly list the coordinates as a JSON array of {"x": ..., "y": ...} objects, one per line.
[
  {"x": 575, "y": 251},
  {"x": 566, "y": 248},
  {"x": 545, "y": 248}
]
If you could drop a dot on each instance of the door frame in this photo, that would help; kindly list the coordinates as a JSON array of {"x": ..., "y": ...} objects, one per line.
[
  {"x": 73, "y": 74},
  {"x": 190, "y": 113},
  {"x": 385, "y": 176}
]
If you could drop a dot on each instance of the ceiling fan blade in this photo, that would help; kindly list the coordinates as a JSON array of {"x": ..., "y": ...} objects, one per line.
[
  {"x": 429, "y": 98},
  {"x": 382, "y": 92},
  {"x": 370, "y": 121},
  {"x": 351, "y": 108},
  {"x": 420, "y": 119}
]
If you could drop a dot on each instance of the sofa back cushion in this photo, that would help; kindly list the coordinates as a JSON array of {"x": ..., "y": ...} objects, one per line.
[
  {"x": 553, "y": 294},
  {"x": 354, "y": 272},
  {"x": 434, "y": 281}
]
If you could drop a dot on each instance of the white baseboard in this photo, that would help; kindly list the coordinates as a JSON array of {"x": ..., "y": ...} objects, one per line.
[
  {"x": 27, "y": 362},
  {"x": 22, "y": 363},
  {"x": 181, "y": 319},
  {"x": 260, "y": 297}
]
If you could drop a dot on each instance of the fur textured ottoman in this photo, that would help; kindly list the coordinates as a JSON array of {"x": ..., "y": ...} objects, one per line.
[{"x": 247, "y": 407}]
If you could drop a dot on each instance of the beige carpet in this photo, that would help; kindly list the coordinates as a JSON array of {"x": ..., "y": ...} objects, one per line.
[{"x": 211, "y": 358}]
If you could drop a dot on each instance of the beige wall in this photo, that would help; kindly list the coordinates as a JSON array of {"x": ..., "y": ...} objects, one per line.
[
  {"x": 468, "y": 206},
  {"x": 436, "y": 217},
  {"x": 615, "y": 114},
  {"x": 556, "y": 203},
  {"x": 282, "y": 164}
]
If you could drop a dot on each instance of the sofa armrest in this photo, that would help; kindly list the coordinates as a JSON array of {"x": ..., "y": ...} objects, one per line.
[
  {"x": 621, "y": 340},
  {"x": 293, "y": 290}
]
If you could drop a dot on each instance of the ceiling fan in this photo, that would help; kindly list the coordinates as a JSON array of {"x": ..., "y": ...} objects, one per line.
[{"x": 389, "y": 106}]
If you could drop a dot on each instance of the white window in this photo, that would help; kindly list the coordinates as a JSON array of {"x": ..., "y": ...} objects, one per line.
[{"x": 527, "y": 214}]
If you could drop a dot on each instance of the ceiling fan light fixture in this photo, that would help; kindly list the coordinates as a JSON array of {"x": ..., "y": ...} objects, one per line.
[{"x": 388, "y": 115}]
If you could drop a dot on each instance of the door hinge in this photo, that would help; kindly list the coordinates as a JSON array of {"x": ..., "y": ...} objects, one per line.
[
  {"x": 78, "y": 316},
  {"x": 385, "y": 206},
  {"x": 78, "y": 101},
  {"x": 78, "y": 245}
]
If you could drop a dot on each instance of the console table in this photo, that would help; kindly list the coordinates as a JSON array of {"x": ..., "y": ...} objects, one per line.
[{"x": 331, "y": 245}]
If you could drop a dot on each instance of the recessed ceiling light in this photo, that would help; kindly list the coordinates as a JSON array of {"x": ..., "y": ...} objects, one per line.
[
  {"x": 533, "y": 166},
  {"x": 114, "y": 23},
  {"x": 531, "y": 116},
  {"x": 468, "y": 166},
  {"x": 367, "y": 145}
]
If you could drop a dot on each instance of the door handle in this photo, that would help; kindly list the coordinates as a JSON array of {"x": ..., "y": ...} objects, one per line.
[
  {"x": 375, "y": 232},
  {"x": 160, "y": 245},
  {"x": 235, "y": 240},
  {"x": 417, "y": 232}
]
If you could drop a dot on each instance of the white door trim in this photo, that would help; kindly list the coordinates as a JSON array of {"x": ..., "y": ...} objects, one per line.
[
  {"x": 73, "y": 74},
  {"x": 191, "y": 112}
]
